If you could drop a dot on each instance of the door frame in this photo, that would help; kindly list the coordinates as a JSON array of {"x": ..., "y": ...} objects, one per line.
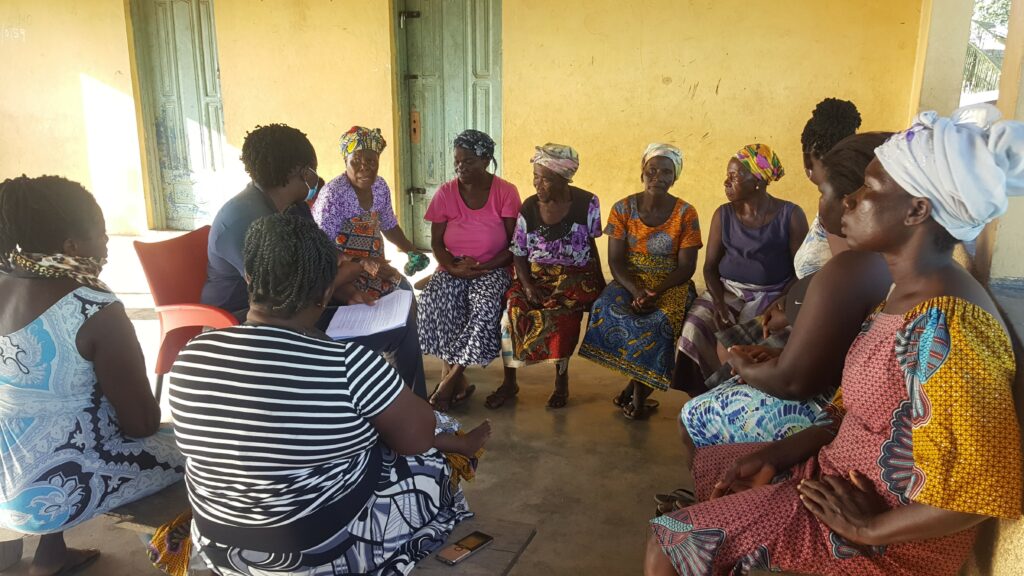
[
  {"x": 403, "y": 162},
  {"x": 400, "y": 93},
  {"x": 156, "y": 217}
]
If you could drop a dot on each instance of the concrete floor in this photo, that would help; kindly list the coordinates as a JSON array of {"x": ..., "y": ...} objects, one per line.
[{"x": 583, "y": 475}]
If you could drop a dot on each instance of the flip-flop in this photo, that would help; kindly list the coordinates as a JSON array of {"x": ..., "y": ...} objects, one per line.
[
  {"x": 499, "y": 397},
  {"x": 460, "y": 398}
]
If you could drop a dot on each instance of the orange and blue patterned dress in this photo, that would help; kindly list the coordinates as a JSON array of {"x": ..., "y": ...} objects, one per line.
[
  {"x": 642, "y": 346},
  {"x": 926, "y": 414}
]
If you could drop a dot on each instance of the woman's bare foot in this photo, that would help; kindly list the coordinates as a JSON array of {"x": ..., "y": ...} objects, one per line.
[
  {"x": 467, "y": 444},
  {"x": 54, "y": 557}
]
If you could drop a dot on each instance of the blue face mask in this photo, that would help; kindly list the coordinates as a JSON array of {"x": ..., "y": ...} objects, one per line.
[{"x": 313, "y": 188}]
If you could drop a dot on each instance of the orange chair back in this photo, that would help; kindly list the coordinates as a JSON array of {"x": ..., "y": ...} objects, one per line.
[{"x": 175, "y": 268}]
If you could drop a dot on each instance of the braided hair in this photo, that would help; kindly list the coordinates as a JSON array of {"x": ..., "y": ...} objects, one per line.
[
  {"x": 39, "y": 214},
  {"x": 271, "y": 153},
  {"x": 831, "y": 121},
  {"x": 289, "y": 262}
]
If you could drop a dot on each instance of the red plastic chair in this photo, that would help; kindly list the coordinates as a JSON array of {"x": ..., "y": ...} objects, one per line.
[{"x": 176, "y": 272}]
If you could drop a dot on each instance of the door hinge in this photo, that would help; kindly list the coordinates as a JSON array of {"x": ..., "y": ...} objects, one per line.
[{"x": 405, "y": 15}]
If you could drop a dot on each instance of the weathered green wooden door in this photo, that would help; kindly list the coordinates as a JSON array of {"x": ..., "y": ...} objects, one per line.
[
  {"x": 182, "y": 112},
  {"x": 450, "y": 73}
]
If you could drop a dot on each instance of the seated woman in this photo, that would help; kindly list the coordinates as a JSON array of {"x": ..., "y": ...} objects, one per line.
[
  {"x": 653, "y": 239},
  {"x": 779, "y": 392},
  {"x": 355, "y": 210},
  {"x": 928, "y": 446},
  {"x": 749, "y": 263},
  {"x": 472, "y": 219},
  {"x": 81, "y": 427},
  {"x": 301, "y": 449},
  {"x": 558, "y": 273},
  {"x": 831, "y": 121}
]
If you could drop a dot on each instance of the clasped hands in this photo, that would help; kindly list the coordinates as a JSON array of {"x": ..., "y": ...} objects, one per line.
[{"x": 847, "y": 505}]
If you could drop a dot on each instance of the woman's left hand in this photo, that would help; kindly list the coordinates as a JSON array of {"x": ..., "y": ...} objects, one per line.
[{"x": 847, "y": 507}]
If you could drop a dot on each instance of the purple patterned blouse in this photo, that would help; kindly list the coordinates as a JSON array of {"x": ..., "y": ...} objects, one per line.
[
  {"x": 572, "y": 249},
  {"x": 337, "y": 204}
]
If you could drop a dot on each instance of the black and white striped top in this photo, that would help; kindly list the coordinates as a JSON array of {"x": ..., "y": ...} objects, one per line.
[{"x": 275, "y": 425}]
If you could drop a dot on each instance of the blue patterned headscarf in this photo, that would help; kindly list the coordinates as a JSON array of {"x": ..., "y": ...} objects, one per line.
[{"x": 476, "y": 142}]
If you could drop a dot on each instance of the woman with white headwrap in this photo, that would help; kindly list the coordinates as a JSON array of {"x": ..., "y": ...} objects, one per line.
[
  {"x": 926, "y": 444},
  {"x": 653, "y": 239},
  {"x": 558, "y": 273}
]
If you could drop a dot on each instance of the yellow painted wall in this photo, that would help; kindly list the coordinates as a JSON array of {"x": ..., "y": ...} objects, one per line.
[
  {"x": 608, "y": 77},
  {"x": 317, "y": 65},
  {"x": 66, "y": 103}
]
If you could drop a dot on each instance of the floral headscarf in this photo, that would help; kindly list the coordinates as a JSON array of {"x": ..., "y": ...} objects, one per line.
[
  {"x": 360, "y": 138},
  {"x": 558, "y": 158},
  {"x": 761, "y": 161}
]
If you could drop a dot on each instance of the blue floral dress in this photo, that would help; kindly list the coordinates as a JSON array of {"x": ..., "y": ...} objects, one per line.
[{"x": 63, "y": 457}]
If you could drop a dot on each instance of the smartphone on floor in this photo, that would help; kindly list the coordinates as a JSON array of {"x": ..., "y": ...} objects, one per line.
[{"x": 464, "y": 548}]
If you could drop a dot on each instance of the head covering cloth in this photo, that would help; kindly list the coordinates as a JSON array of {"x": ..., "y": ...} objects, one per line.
[
  {"x": 476, "y": 142},
  {"x": 665, "y": 151},
  {"x": 761, "y": 161},
  {"x": 360, "y": 138},
  {"x": 560, "y": 159},
  {"x": 966, "y": 165}
]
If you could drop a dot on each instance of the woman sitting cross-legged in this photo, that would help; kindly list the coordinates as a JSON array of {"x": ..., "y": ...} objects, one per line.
[
  {"x": 926, "y": 444},
  {"x": 80, "y": 425},
  {"x": 472, "y": 219},
  {"x": 558, "y": 273},
  {"x": 779, "y": 392},
  {"x": 653, "y": 239},
  {"x": 307, "y": 455},
  {"x": 749, "y": 262}
]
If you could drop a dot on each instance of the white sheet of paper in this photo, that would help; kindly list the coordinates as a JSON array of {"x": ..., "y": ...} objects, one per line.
[{"x": 388, "y": 313}]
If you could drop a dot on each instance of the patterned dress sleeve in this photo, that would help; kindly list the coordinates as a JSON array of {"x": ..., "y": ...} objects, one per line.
[
  {"x": 691, "y": 228},
  {"x": 618, "y": 221},
  {"x": 959, "y": 368},
  {"x": 594, "y": 217},
  {"x": 326, "y": 210},
  {"x": 520, "y": 245},
  {"x": 382, "y": 203}
]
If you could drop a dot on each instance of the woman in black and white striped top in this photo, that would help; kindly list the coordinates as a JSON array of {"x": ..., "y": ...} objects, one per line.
[{"x": 297, "y": 445}]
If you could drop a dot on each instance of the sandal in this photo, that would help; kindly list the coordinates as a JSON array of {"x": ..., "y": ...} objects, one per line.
[
  {"x": 630, "y": 412},
  {"x": 677, "y": 495},
  {"x": 461, "y": 398},
  {"x": 558, "y": 399},
  {"x": 625, "y": 397},
  {"x": 498, "y": 398}
]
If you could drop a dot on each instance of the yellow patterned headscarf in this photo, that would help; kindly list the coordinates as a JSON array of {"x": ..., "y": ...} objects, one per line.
[
  {"x": 360, "y": 138},
  {"x": 761, "y": 161}
]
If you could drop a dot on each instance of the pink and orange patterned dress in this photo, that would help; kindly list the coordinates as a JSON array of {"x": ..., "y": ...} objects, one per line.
[{"x": 926, "y": 414}]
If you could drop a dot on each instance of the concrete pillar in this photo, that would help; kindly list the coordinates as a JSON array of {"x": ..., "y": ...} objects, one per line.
[
  {"x": 1006, "y": 238},
  {"x": 948, "y": 30}
]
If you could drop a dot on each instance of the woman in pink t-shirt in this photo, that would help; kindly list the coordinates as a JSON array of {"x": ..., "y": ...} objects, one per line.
[{"x": 472, "y": 219}]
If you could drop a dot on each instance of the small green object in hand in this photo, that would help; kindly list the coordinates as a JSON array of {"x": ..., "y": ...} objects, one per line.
[{"x": 417, "y": 262}]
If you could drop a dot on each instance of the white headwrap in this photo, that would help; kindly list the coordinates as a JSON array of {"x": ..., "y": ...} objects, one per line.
[{"x": 966, "y": 165}]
